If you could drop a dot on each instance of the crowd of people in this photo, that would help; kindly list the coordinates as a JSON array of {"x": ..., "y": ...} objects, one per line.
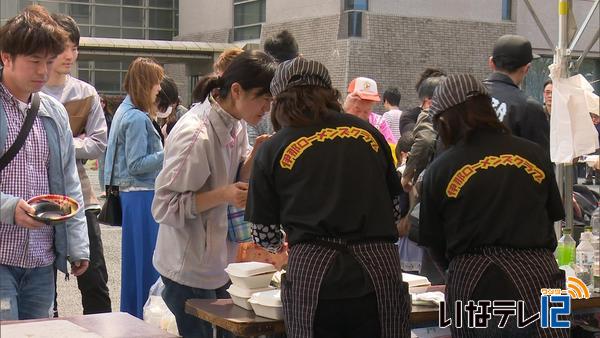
[{"x": 443, "y": 189}]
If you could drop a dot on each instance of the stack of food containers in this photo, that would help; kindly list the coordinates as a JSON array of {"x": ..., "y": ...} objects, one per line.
[{"x": 249, "y": 278}]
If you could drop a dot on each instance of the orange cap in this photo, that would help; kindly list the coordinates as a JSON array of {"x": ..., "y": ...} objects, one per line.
[{"x": 365, "y": 88}]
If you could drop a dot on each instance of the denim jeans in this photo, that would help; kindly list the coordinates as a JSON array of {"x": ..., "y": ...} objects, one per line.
[
  {"x": 26, "y": 293},
  {"x": 175, "y": 295}
]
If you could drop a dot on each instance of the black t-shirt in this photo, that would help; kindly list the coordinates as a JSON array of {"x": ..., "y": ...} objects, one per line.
[
  {"x": 497, "y": 190},
  {"x": 336, "y": 179}
]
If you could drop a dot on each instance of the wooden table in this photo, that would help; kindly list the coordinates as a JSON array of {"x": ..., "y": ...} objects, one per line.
[
  {"x": 241, "y": 322},
  {"x": 112, "y": 325},
  {"x": 223, "y": 313}
]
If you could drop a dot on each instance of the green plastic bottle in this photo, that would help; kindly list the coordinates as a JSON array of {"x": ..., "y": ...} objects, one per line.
[{"x": 565, "y": 251}]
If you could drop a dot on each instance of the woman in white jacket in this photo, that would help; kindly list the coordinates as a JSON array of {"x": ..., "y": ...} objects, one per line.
[{"x": 206, "y": 149}]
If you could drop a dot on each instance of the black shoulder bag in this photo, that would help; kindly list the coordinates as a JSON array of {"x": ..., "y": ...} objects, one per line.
[
  {"x": 14, "y": 149},
  {"x": 111, "y": 210}
]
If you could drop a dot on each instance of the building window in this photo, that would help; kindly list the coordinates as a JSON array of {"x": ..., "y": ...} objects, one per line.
[
  {"x": 507, "y": 10},
  {"x": 129, "y": 19},
  {"x": 357, "y": 5},
  {"x": 248, "y": 16},
  {"x": 354, "y": 11},
  {"x": 106, "y": 76}
]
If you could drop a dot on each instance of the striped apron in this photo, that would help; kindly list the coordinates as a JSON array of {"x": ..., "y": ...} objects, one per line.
[
  {"x": 529, "y": 270},
  {"x": 308, "y": 264}
]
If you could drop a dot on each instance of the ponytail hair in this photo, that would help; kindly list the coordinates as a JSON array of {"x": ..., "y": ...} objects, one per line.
[{"x": 250, "y": 69}]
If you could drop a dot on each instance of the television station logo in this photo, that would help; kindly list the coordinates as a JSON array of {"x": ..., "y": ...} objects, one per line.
[{"x": 555, "y": 309}]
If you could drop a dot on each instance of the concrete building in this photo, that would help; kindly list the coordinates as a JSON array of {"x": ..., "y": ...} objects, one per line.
[
  {"x": 114, "y": 32},
  {"x": 391, "y": 41}
]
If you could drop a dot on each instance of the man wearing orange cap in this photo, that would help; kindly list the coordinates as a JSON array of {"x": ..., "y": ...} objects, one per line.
[{"x": 362, "y": 95}]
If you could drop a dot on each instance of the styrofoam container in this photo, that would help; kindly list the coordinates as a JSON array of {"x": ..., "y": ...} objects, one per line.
[
  {"x": 267, "y": 304},
  {"x": 251, "y": 275},
  {"x": 240, "y": 295}
]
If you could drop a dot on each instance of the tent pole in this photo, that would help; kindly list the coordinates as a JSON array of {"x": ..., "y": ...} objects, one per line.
[
  {"x": 561, "y": 57},
  {"x": 584, "y": 25}
]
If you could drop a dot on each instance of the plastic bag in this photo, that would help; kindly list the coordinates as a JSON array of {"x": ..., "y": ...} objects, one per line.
[{"x": 156, "y": 312}]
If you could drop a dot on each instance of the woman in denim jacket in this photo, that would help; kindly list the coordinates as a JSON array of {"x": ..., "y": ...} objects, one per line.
[{"x": 134, "y": 158}]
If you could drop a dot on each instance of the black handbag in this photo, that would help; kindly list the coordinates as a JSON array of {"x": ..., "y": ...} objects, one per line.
[{"x": 111, "y": 212}]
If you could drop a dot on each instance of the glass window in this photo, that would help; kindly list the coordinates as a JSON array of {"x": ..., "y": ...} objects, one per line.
[
  {"x": 160, "y": 35},
  {"x": 359, "y": 5},
  {"x": 130, "y": 33},
  {"x": 355, "y": 24},
  {"x": 24, "y": 3},
  {"x": 159, "y": 18},
  {"x": 53, "y": 7},
  {"x": 506, "y": 9},
  {"x": 84, "y": 30},
  {"x": 133, "y": 2},
  {"x": 246, "y": 33},
  {"x": 161, "y": 3},
  {"x": 107, "y": 32},
  {"x": 249, "y": 13},
  {"x": 133, "y": 17},
  {"x": 81, "y": 13},
  {"x": 109, "y": 16},
  {"x": 84, "y": 64},
  {"x": 107, "y": 81},
  {"x": 84, "y": 75},
  {"x": 110, "y": 65},
  {"x": 109, "y": 2}
]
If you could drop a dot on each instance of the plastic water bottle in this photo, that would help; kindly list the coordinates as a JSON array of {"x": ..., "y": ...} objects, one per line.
[
  {"x": 596, "y": 267},
  {"x": 595, "y": 223},
  {"x": 565, "y": 250},
  {"x": 585, "y": 258}
]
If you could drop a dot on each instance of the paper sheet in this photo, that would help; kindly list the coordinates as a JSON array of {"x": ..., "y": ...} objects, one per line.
[
  {"x": 572, "y": 132},
  {"x": 46, "y": 329}
]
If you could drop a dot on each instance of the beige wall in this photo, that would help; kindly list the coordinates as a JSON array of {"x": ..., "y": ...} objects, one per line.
[
  {"x": 205, "y": 15},
  {"x": 289, "y": 10},
  {"x": 548, "y": 14},
  {"x": 475, "y": 10}
]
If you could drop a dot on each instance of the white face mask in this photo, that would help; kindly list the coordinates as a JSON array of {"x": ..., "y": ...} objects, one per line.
[{"x": 168, "y": 111}]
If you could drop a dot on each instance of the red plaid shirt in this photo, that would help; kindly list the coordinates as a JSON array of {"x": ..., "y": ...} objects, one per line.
[{"x": 26, "y": 176}]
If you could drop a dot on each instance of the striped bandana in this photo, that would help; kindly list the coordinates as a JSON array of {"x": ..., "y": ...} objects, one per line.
[
  {"x": 454, "y": 90},
  {"x": 299, "y": 72}
]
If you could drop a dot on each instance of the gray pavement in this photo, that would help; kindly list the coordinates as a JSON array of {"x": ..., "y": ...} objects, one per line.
[{"x": 69, "y": 297}]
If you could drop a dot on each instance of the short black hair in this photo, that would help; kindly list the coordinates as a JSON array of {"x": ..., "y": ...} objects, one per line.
[
  {"x": 427, "y": 73},
  {"x": 282, "y": 47},
  {"x": 392, "y": 96},
  {"x": 69, "y": 25},
  {"x": 428, "y": 86},
  {"x": 549, "y": 81},
  {"x": 506, "y": 64},
  {"x": 168, "y": 94},
  {"x": 404, "y": 143}
]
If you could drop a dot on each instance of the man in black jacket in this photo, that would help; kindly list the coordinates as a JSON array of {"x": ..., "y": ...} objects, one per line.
[{"x": 510, "y": 62}]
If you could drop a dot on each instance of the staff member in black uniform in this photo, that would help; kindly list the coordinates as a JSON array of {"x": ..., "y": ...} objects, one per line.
[
  {"x": 522, "y": 114},
  {"x": 488, "y": 205},
  {"x": 329, "y": 180}
]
